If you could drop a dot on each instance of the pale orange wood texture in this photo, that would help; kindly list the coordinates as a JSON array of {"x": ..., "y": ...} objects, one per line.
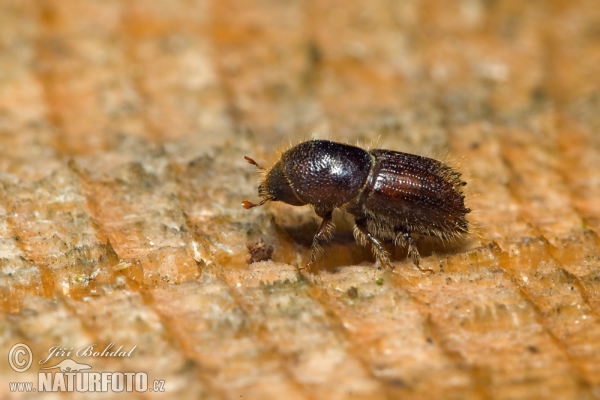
[{"x": 123, "y": 127}]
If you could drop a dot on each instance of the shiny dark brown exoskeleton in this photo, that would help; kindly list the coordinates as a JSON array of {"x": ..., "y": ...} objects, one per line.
[{"x": 390, "y": 194}]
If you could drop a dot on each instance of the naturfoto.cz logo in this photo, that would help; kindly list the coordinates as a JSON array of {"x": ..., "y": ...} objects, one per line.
[{"x": 72, "y": 376}]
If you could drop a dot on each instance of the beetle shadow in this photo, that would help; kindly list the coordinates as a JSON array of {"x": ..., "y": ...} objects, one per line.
[
  {"x": 430, "y": 245},
  {"x": 343, "y": 250}
]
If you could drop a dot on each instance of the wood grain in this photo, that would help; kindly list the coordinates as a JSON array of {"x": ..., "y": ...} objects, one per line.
[{"x": 123, "y": 127}]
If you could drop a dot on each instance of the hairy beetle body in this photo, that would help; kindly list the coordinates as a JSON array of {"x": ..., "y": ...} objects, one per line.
[{"x": 390, "y": 194}]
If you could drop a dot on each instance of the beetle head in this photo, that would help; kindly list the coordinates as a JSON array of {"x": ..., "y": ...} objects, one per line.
[{"x": 275, "y": 186}]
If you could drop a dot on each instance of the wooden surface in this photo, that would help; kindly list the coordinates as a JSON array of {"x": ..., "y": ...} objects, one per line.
[{"x": 123, "y": 126}]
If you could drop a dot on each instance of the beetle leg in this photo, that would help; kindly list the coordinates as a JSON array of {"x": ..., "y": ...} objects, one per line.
[
  {"x": 324, "y": 232},
  {"x": 413, "y": 252},
  {"x": 362, "y": 234}
]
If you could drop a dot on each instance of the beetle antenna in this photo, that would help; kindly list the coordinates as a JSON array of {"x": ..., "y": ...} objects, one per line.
[
  {"x": 251, "y": 161},
  {"x": 248, "y": 205}
]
